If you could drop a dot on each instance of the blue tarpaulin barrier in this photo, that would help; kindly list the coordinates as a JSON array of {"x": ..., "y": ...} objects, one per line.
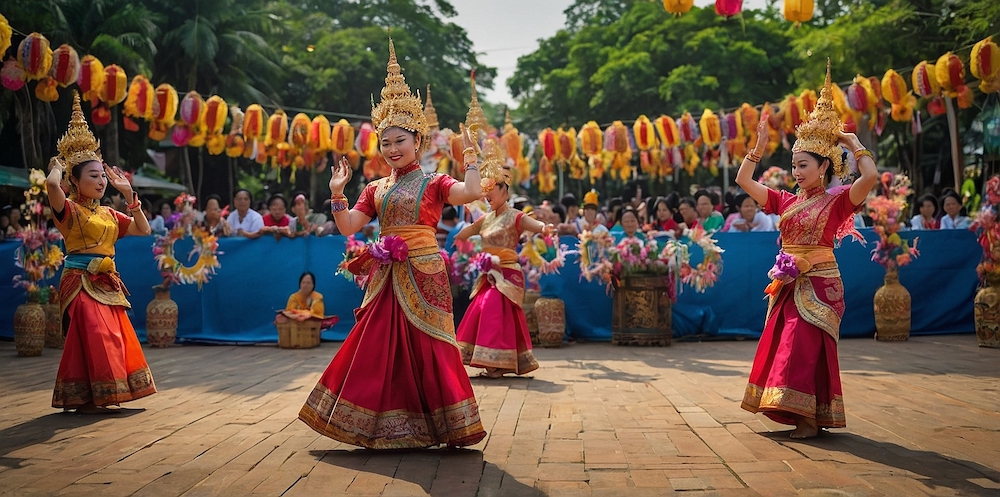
[{"x": 257, "y": 276}]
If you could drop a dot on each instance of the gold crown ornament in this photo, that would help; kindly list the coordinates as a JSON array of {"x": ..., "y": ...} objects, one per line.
[
  {"x": 820, "y": 132},
  {"x": 398, "y": 107},
  {"x": 492, "y": 170},
  {"x": 475, "y": 119},
  {"x": 590, "y": 198},
  {"x": 78, "y": 144},
  {"x": 430, "y": 114}
]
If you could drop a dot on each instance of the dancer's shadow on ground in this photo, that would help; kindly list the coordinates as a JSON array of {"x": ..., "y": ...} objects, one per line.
[
  {"x": 439, "y": 472},
  {"x": 932, "y": 469},
  {"x": 526, "y": 381},
  {"x": 49, "y": 428}
]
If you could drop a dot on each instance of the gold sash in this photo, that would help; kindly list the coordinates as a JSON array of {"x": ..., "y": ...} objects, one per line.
[
  {"x": 420, "y": 283},
  {"x": 508, "y": 260},
  {"x": 813, "y": 261}
]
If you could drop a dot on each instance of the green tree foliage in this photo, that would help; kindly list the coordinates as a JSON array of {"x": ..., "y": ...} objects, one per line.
[{"x": 649, "y": 62}]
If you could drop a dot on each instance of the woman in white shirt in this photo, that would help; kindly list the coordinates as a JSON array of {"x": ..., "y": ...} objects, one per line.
[
  {"x": 927, "y": 212},
  {"x": 952, "y": 204},
  {"x": 245, "y": 221},
  {"x": 749, "y": 217}
]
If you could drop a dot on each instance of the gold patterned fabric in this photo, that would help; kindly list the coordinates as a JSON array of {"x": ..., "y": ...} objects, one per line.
[
  {"x": 89, "y": 229},
  {"x": 827, "y": 414}
]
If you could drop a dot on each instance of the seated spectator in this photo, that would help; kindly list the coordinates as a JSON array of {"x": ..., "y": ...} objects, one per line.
[
  {"x": 14, "y": 224},
  {"x": 688, "y": 212},
  {"x": 305, "y": 220},
  {"x": 749, "y": 217},
  {"x": 165, "y": 211},
  {"x": 614, "y": 205},
  {"x": 4, "y": 225},
  {"x": 927, "y": 214},
  {"x": 213, "y": 221},
  {"x": 709, "y": 219},
  {"x": 155, "y": 222},
  {"x": 244, "y": 221},
  {"x": 628, "y": 219},
  {"x": 277, "y": 221},
  {"x": 369, "y": 232},
  {"x": 571, "y": 226},
  {"x": 590, "y": 221},
  {"x": 329, "y": 227},
  {"x": 305, "y": 304},
  {"x": 664, "y": 223},
  {"x": 448, "y": 226},
  {"x": 952, "y": 205}
]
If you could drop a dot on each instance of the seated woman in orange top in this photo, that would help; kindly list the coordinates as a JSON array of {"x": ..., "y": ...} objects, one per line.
[{"x": 306, "y": 303}]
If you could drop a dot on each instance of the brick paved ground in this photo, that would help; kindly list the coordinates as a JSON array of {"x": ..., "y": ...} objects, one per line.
[{"x": 594, "y": 420}]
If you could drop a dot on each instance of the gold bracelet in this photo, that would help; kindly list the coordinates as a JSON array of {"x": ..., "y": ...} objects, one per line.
[
  {"x": 752, "y": 157},
  {"x": 858, "y": 154}
]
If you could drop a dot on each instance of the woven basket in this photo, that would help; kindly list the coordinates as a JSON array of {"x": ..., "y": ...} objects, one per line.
[
  {"x": 551, "y": 321},
  {"x": 294, "y": 334}
]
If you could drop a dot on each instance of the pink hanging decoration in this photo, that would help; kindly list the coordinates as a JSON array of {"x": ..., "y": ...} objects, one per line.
[{"x": 12, "y": 75}]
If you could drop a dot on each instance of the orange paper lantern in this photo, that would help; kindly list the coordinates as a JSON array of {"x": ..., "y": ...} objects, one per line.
[
  {"x": 65, "y": 65},
  {"x": 47, "y": 90},
  {"x": 277, "y": 129},
  {"x": 567, "y": 144},
  {"x": 139, "y": 102},
  {"x": 115, "y": 84},
  {"x": 319, "y": 134},
  {"x": 985, "y": 65},
  {"x": 215, "y": 115},
  {"x": 645, "y": 133},
  {"x": 342, "y": 137},
  {"x": 711, "y": 129},
  {"x": 925, "y": 83},
  {"x": 950, "y": 73},
  {"x": 894, "y": 87},
  {"x": 254, "y": 120},
  {"x": 166, "y": 105},
  {"x": 298, "y": 130},
  {"x": 678, "y": 7},
  {"x": 91, "y": 79},
  {"x": 367, "y": 141},
  {"x": 548, "y": 140},
  {"x": 35, "y": 56},
  {"x": 591, "y": 139},
  {"x": 798, "y": 11}
]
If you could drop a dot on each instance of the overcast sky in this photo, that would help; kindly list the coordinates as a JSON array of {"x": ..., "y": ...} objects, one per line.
[{"x": 502, "y": 31}]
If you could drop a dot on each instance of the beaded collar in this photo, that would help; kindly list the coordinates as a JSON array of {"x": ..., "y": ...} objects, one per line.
[{"x": 403, "y": 171}]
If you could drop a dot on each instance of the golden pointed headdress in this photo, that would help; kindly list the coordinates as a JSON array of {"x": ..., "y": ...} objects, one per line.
[
  {"x": 78, "y": 144},
  {"x": 475, "y": 119},
  {"x": 493, "y": 170},
  {"x": 590, "y": 198},
  {"x": 820, "y": 131},
  {"x": 430, "y": 114},
  {"x": 399, "y": 107}
]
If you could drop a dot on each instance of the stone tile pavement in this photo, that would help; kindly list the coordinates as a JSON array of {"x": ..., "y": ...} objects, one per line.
[{"x": 595, "y": 419}]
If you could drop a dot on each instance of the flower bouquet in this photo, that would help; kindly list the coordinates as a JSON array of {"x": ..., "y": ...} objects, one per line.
[
  {"x": 611, "y": 262},
  {"x": 776, "y": 178},
  {"x": 384, "y": 251},
  {"x": 891, "y": 251},
  {"x": 205, "y": 251},
  {"x": 459, "y": 262},
  {"x": 988, "y": 229},
  {"x": 40, "y": 255}
]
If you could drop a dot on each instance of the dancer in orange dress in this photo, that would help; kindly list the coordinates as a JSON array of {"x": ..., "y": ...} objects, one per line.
[
  {"x": 102, "y": 363},
  {"x": 493, "y": 333},
  {"x": 398, "y": 380},
  {"x": 795, "y": 377}
]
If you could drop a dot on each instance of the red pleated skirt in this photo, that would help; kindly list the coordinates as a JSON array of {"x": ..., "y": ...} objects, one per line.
[
  {"x": 795, "y": 370},
  {"x": 494, "y": 332},
  {"x": 392, "y": 386},
  {"x": 102, "y": 361}
]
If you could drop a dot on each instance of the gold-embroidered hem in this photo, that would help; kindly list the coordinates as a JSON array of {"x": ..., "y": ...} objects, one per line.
[
  {"x": 787, "y": 400},
  {"x": 457, "y": 425},
  {"x": 478, "y": 356},
  {"x": 72, "y": 394}
]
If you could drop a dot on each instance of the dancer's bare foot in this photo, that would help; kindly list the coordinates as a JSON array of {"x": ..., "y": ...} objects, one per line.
[
  {"x": 805, "y": 428},
  {"x": 90, "y": 408},
  {"x": 492, "y": 373}
]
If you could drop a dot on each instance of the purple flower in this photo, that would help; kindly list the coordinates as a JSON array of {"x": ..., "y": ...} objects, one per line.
[
  {"x": 784, "y": 267},
  {"x": 397, "y": 248}
]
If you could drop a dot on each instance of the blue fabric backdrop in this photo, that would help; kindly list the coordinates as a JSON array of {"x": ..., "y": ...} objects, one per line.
[{"x": 256, "y": 277}]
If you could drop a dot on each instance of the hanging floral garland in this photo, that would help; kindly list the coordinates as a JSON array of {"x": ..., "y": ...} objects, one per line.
[{"x": 206, "y": 248}]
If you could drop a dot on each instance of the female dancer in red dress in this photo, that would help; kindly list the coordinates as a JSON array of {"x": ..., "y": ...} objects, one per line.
[
  {"x": 795, "y": 378},
  {"x": 494, "y": 332},
  {"x": 398, "y": 380},
  {"x": 102, "y": 363}
]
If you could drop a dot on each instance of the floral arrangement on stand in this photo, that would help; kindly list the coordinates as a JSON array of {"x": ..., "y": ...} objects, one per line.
[
  {"x": 609, "y": 262},
  {"x": 360, "y": 259},
  {"x": 891, "y": 251},
  {"x": 989, "y": 232},
  {"x": 777, "y": 178},
  {"x": 40, "y": 254},
  {"x": 459, "y": 263},
  {"x": 205, "y": 250}
]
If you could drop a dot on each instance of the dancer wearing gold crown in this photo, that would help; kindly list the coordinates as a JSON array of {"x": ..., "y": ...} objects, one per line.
[
  {"x": 795, "y": 378},
  {"x": 494, "y": 332},
  {"x": 102, "y": 363},
  {"x": 398, "y": 380}
]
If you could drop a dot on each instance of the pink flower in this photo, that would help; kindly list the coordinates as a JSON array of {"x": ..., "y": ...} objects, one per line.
[{"x": 784, "y": 267}]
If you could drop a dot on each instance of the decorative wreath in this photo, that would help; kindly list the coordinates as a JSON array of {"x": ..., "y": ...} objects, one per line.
[
  {"x": 205, "y": 247},
  {"x": 705, "y": 273}
]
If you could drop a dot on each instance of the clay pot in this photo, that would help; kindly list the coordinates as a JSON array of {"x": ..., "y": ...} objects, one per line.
[
  {"x": 892, "y": 309},
  {"x": 161, "y": 318},
  {"x": 54, "y": 338},
  {"x": 987, "y": 312},
  {"x": 29, "y": 329}
]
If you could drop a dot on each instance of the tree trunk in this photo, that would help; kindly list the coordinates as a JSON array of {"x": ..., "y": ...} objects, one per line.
[
  {"x": 26, "y": 124},
  {"x": 201, "y": 172},
  {"x": 186, "y": 170},
  {"x": 956, "y": 160}
]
